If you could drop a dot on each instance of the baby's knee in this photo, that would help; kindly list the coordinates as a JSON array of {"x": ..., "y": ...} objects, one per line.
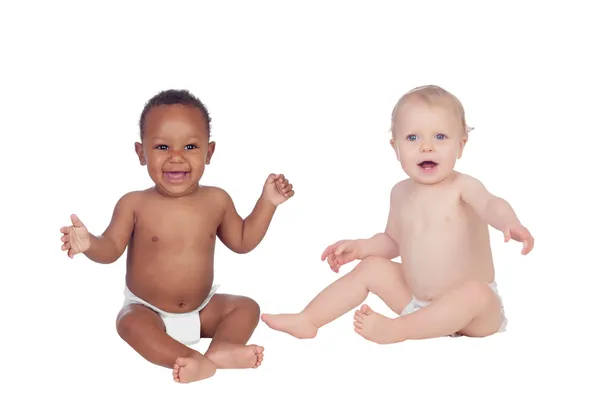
[
  {"x": 133, "y": 318},
  {"x": 248, "y": 305},
  {"x": 480, "y": 291},
  {"x": 375, "y": 262},
  {"x": 374, "y": 267},
  {"x": 125, "y": 325}
]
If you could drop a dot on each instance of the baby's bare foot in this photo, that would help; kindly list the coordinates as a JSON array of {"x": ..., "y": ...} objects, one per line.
[
  {"x": 374, "y": 326},
  {"x": 235, "y": 356},
  {"x": 296, "y": 325},
  {"x": 193, "y": 368}
]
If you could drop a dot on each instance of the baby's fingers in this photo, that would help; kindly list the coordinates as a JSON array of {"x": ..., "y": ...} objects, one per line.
[
  {"x": 331, "y": 261},
  {"x": 66, "y": 246},
  {"x": 342, "y": 260},
  {"x": 527, "y": 246},
  {"x": 327, "y": 252},
  {"x": 287, "y": 188},
  {"x": 341, "y": 248}
]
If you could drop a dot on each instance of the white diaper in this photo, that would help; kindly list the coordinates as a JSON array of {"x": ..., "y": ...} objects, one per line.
[
  {"x": 417, "y": 304},
  {"x": 183, "y": 327}
]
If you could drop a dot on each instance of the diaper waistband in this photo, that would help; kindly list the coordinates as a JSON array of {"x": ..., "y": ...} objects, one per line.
[{"x": 131, "y": 298}]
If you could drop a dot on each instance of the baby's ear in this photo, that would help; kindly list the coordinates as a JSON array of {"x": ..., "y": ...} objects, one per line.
[
  {"x": 140, "y": 152},
  {"x": 210, "y": 152},
  {"x": 463, "y": 143},
  {"x": 393, "y": 144}
]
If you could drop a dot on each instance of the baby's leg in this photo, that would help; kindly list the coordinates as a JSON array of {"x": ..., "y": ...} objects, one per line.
[
  {"x": 145, "y": 332},
  {"x": 472, "y": 309},
  {"x": 230, "y": 321},
  {"x": 380, "y": 276}
]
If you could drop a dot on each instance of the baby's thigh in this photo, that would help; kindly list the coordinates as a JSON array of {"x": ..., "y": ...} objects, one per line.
[
  {"x": 385, "y": 278},
  {"x": 489, "y": 320},
  {"x": 136, "y": 321}
]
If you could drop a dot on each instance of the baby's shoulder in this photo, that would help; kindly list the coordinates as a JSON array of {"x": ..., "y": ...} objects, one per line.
[
  {"x": 464, "y": 181},
  {"x": 214, "y": 192},
  {"x": 131, "y": 199},
  {"x": 215, "y": 196},
  {"x": 138, "y": 200},
  {"x": 400, "y": 188}
]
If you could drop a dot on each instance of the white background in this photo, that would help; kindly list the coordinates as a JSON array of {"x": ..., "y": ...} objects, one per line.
[{"x": 307, "y": 90}]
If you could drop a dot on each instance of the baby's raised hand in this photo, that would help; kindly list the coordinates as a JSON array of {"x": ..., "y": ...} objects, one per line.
[
  {"x": 277, "y": 189},
  {"x": 520, "y": 234},
  {"x": 340, "y": 253},
  {"x": 76, "y": 238}
]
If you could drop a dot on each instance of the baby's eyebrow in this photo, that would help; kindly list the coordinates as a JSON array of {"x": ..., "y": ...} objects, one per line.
[
  {"x": 154, "y": 138},
  {"x": 186, "y": 138}
]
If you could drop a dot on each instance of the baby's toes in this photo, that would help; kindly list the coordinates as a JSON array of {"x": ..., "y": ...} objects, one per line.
[
  {"x": 180, "y": 362},
  {"x": 365, "y": 309}
]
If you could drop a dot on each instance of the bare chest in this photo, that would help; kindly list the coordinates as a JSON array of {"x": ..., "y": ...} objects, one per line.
[
  {"x": 432, "y": 213},
  {"x": 177, "y": 228}
]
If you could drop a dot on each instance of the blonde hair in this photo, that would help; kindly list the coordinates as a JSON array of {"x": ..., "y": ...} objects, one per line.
[{"x": 432, "y": 94}]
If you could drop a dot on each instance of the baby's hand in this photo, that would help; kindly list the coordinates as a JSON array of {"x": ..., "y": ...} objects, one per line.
[
  {"x": 520, "y": 234},
  {"x": 76, "y": 238},
  {"x": 277, "y": 189},
  {"x": 340, "y": 253}
]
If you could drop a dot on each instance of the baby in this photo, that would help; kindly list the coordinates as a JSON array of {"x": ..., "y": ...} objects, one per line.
[
  {"x": 170, "y": 231},
  {"x": 438, "y": 224}
]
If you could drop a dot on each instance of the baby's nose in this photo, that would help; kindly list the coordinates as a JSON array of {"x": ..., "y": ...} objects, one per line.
[
  {"x": 426, "y": 147},
  {"x": 176, "y": 155}
]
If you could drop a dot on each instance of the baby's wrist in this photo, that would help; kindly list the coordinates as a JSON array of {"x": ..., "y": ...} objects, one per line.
[
  {"x": 360, "y": 248},
  {"x": 264, "y": 200}
]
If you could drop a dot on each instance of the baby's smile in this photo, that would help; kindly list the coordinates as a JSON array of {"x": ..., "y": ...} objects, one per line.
[
  {"x": 176, "y": 176},
  {"x": 428, "y": 165}
]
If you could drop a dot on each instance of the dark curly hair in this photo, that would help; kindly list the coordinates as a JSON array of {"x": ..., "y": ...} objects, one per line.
[{"x": 172, "y": 97}]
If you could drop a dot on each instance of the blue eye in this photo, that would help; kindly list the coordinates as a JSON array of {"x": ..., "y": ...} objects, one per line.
[
  {"x": 440, "y": 136},
  {"x": 411, "y": 137},
  {"x": 162, "y": 147},
  {"x": 191, "y": 146}
]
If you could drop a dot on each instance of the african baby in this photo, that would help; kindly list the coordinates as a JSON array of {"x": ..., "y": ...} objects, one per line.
[
  {"x": 170, "y": 232},
  {"x": 438, "y": 225}
]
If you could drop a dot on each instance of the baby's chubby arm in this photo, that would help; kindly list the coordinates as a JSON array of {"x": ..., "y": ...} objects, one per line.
[
  {"x": 492, "y": 209},
  {"x": 243, "y": 235},
  {"x": 495, "y": 211},
  {"x": 383, "y": 244},
  {"x": 109, "y": 246}
]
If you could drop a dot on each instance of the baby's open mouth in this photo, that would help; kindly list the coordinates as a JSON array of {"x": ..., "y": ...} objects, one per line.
[
  {"x": 176, "y": 175},
  {"x": 428, "y": 164}
]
